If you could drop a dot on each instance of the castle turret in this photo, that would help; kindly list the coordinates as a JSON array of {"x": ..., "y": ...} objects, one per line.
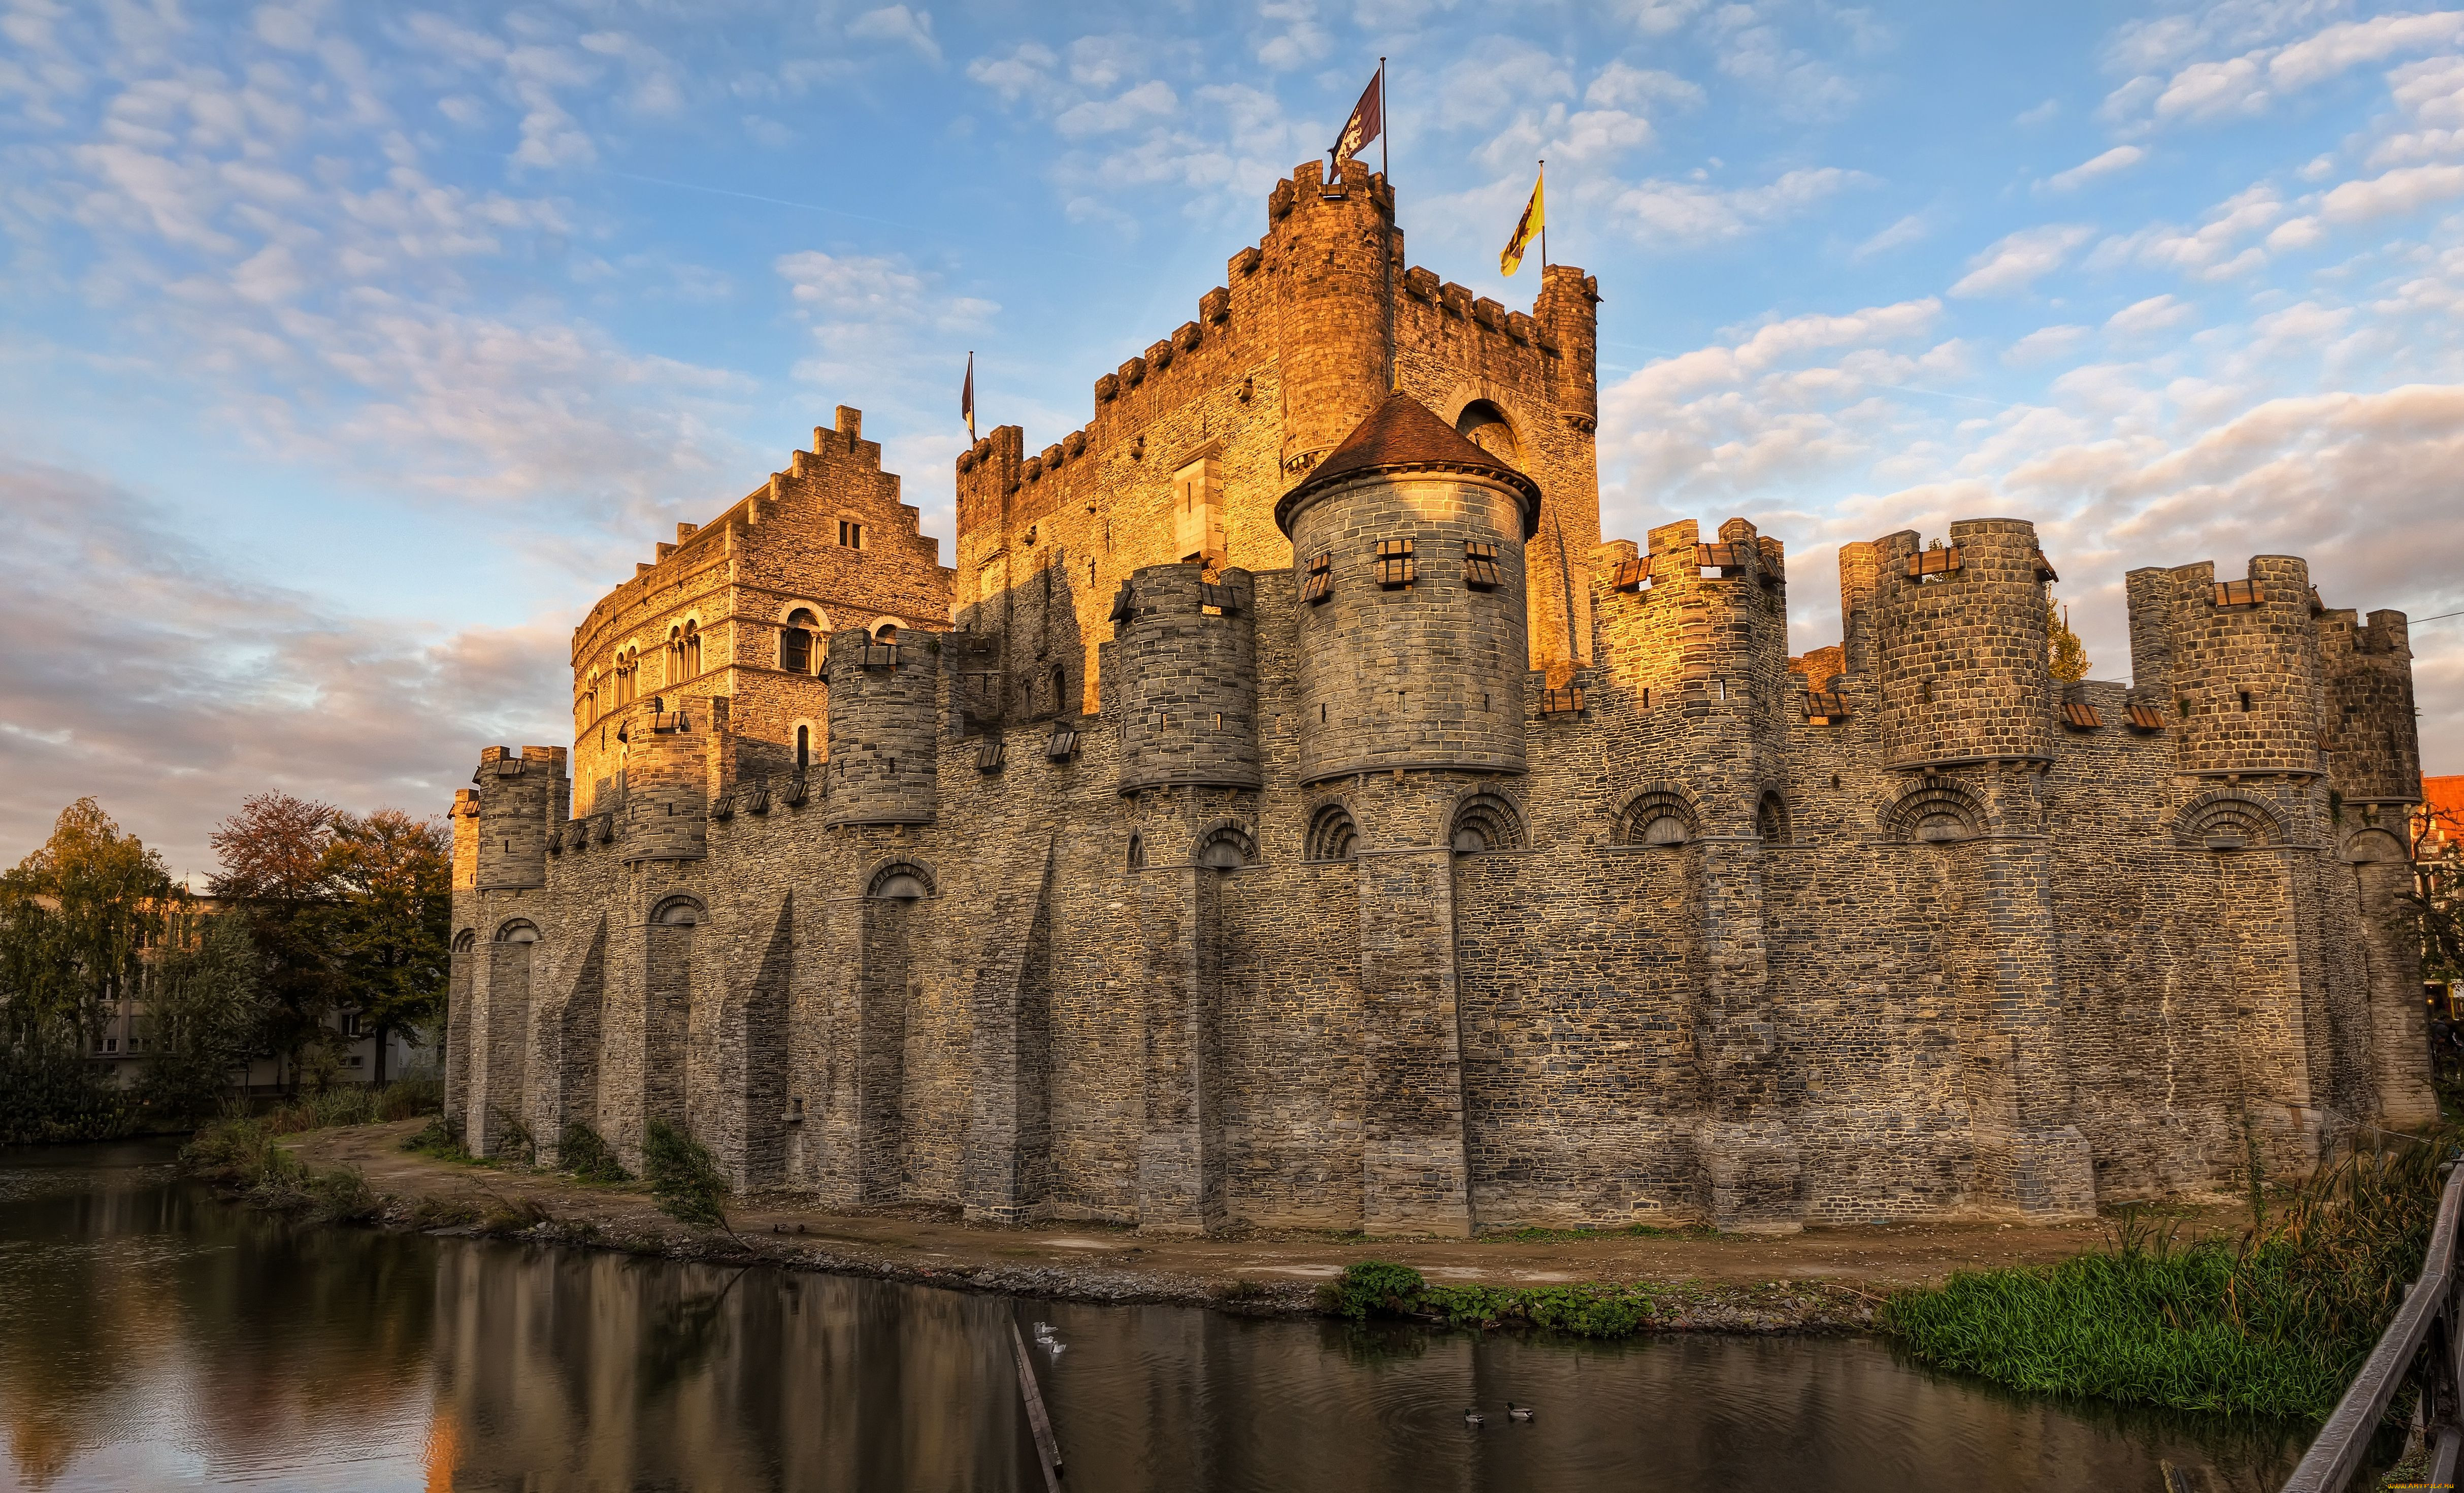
[
  {"x": 1328, "y": 248},
  {"x": 520, "y": 795},
  {"x": 666, "y": 779},
  {"x": 2238, "y": 661},
  {"x": 883, "y": 717},
  {"x": 1569, "y": 308},
  {"x": 1407, "y": 557},
  {"x": 1188, "y": 657},
  {"x": 2373, "y": 745},
  {"x": 1959, "y": 640}
]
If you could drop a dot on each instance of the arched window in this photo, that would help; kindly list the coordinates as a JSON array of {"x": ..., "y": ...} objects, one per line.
[
  {"x": 1137, "y": 851},
  {"x": 518, "y": 930},
  {"x": 804, "y": 748},
  {"x": 1332, "y": 835},
  {"x": 1486, "y": 426},
  {"x": 1771, "y": 819},
  {"x": 1226, "y": 846},
  {"x": 900, "y": 881},
  {"x": 1659, "y": 816},
  {"x": 886, "y": 632},
  {"x": 675, "y": 655},
  {"x": 693, "y": 649},
  {"x": 677, "y": 912},
  {"x": 1485, "y": 822},
  {"x": 796, "y": 641},
  {"x": 465, "y": 941},
  {"x": 1060, "y": 689}
]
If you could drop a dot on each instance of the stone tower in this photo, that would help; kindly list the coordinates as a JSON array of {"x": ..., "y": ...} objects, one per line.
[{"x": 883, "y": 717}]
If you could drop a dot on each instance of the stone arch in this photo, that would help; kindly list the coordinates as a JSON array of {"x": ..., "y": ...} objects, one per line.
[
  {"x": 679, "y": 911},
  {"x": 465, "y": 941},
  {"x": 1486, "y": 425},
  {"x": 1484, "y": 820},
  {"x": 2374, "y": 845},
  {"x": 1333, "y": 835},
  {"x": 873, "y": 628},
  {"x": 1655, "y": 814},
  {"x": 1137, "y": 851},
  {"x": 1224, "y": 846},
  {"x": 1771, "y": 819},
  {"x": 2226, "y": 819},
  {"x": 1465, "y": 398},
  {"x": 517, "y": 929},
  {"x": 789, "y": 608},
  {"x": 1933, "y": 811},
  {"x": 899, "y": 881}
]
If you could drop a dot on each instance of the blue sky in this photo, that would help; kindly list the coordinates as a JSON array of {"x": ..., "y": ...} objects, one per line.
[{"x": 347, "y": 352}]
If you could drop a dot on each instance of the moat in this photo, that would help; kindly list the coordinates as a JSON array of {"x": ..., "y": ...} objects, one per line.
[{"x": 154, "y": 1337}]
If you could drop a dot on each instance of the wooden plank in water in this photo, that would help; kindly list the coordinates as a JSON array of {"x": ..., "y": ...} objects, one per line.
[{"x": 1047, "y": 1451}]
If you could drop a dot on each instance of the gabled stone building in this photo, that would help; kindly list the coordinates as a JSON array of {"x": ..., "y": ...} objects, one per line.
[{"x": 1288, "y": 812}]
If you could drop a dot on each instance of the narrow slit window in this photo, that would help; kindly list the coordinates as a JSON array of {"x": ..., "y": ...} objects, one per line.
[{"x": 2245, "y": 702}]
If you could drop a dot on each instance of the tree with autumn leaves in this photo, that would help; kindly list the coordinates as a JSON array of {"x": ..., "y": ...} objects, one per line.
[{"x": 347, "y": 910}]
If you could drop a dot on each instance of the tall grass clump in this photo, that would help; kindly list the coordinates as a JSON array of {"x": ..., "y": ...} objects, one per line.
[
  {"x": 2275, "y": 1323},
  {"x": 589, "y": 1157},
  {"x": 1378, "y": 1287},
  {"x": 684, "y": 1177}
]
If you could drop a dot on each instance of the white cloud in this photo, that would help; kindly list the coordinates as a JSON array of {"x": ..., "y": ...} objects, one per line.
[
  {"x": 2155, "y": 314},
  {"x": 2014, "y": 262},
  {"x": 1300, "y": 41},
  {"x": 1618, "y": 86},
  {"x": 2353, "y": 43},
  {"x": 2120, "y": 158},
  {"x": 1909, "y": 229},
  {"x": 2046, "y": 344},
  {"x": 2404, "y": 190},
  {"x": 2213, "y": 250},
  {"x": 1152, "y": 100},
  {"x": 1666, "y": 212},
  {"x": 899, "y": 26}
]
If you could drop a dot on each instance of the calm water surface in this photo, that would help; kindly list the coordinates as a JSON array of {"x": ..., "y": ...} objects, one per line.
[{"x": 153, "y": 1338}]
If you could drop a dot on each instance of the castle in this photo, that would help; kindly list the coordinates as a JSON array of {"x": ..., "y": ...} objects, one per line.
[{"x": 1287, "y": 812}]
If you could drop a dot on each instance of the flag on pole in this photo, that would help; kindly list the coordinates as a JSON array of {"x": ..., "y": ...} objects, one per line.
[
  {"x": 1367, "y": 123},
  {"x": 967, "y": 398},
  {"x": 1527, "y": 228}
]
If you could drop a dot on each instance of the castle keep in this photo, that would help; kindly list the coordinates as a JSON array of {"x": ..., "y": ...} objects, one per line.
[{"x": 1288, "y": 811}]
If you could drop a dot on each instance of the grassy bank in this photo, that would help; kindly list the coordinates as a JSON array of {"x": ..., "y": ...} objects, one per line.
[
  {"x": 245, "y": 1152},
  {"x": 2272, "y": 1324},
  {"x": 1382, "y": 1288}
]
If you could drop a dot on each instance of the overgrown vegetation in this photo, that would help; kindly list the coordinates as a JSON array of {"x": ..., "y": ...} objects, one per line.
[
  {"x": 588, "y": 1157},
  {"x": 685, "y": 1179},
  {"x": 247, "y": 1154},
  {"x": 1378, "y": 1287},
  {"x": 2274, "y": 1323}
]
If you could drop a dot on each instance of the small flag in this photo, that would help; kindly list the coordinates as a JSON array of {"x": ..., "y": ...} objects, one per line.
[
  {"x": 1527, "y": 228},
  {"x": 967, "y": 398},
  {"x": 1367, "y": 123}
]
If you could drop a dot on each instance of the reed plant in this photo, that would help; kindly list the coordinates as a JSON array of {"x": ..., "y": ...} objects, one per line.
[{"x": 2273, "y": 1322}]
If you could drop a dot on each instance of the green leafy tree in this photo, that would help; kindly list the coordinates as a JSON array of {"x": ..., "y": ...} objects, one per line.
[
  {"x": 276, "y": 876},
  {"x": 2067, "y": 655},
  {"x": 205, "y": 1005},
  {"x": 75, "y": 917},
  {"x": 390, "y": 919}
]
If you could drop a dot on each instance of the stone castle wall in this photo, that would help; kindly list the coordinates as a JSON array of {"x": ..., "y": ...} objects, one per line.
[{"x": 1170, "y": 889}]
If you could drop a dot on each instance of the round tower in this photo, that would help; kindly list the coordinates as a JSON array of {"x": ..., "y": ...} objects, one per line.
[
  {"x": 666, "y": 780},
  {"x": 519, "y": 792},
  {"x": 1189, "y": 671},
  {"x": 1959, "y": 643},
  {"x": 881, "y": 769},
  {"x": 1325, "y": 251},
  {"x": 1407, "y": 557},
  {"x": 2243, "y": 668}
]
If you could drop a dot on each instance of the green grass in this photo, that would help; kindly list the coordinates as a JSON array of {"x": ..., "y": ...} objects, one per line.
[
  {"x": 2274, "y": 1324},
  {"x": 1378, "y": 1287}
]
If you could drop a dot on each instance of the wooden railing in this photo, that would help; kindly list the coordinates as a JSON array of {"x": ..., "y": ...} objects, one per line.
[{"x": 2422, "y": 1342}]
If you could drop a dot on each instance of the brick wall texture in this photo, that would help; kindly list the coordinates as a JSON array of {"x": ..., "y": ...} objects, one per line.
[{"x": 1171, "y": 860}]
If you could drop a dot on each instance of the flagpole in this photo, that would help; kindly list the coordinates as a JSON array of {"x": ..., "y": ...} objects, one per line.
[
  {"x": 1544, "y": 218},
  {"x": 1385, "y": 168}
]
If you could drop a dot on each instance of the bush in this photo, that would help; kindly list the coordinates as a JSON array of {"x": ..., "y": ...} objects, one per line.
[
  {"x": 50, "y": 1091},
  {"x": 437, "y": 1139},
  {"x": 684, "y": 1177},
  {"x": 590, "y": 1159},
  {"x": 2274, "y": 1325},
  {"x": 342, "y": 1195},
  {"x": 405, "y": 1097},
  {"x": 1377, "y": 1287},
  {"x": 443, "y": 1213}
]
